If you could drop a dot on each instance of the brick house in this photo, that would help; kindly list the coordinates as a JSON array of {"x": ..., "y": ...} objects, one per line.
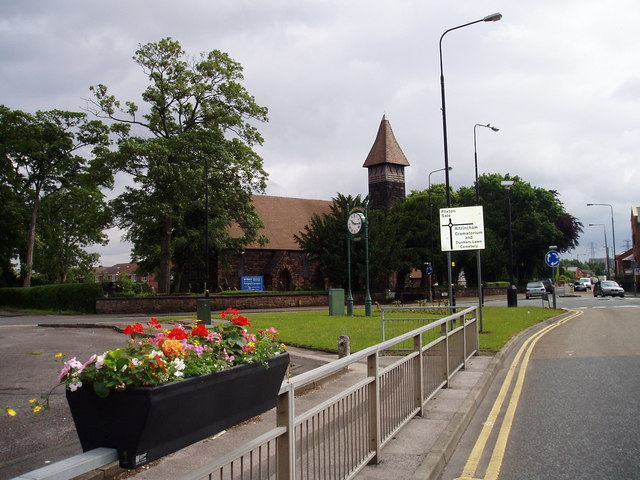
[{"x": 115, "y": 272}]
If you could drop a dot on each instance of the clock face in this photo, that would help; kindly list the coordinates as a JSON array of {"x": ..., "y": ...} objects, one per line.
[{"x": 354, "y": 224}]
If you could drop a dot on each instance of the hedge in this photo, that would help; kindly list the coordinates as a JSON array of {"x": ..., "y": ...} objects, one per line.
[{"x": 76, "y": 297}]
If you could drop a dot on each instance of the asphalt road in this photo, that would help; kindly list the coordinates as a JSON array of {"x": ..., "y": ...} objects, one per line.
[{"x": 569, "y": 409}]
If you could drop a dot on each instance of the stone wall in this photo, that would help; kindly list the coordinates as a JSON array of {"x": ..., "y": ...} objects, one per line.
[{"x": 187, "y": 304}]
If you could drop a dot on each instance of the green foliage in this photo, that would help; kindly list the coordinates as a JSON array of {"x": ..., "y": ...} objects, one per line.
[
  {"x": 76, "y": 297},
  {"x": 198, "y": 114},
  {"x": 325, "y": 240},
  {"x": 40, "y": 158}
]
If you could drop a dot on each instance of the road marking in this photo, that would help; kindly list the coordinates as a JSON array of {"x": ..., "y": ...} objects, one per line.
[{"x": 497, "y": 456}]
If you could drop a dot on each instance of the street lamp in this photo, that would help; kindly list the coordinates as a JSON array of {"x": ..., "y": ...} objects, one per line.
[
  {"x": 613, "y": 234},
  {"x": 430, "y": 208},
  {"x": 489, "y": 18},
  {"x": 512, "y": 299},
  {"x": 606, "y": 248},
  {"x": 478, "y": 259}
]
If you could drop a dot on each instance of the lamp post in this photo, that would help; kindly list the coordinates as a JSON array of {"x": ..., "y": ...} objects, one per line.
[
  {"x": 430, "y": 208},
  {"x": 489, "y": 18},
  {"x": 613, "y": 234},
  {"x": 606, "y": 247},
  {"x": 512, "y": 299},
  {"x": 478, "y": 256}
]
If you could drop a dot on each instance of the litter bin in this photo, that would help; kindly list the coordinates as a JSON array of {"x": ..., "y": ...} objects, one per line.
[
  {"x": 336, "y": 301},
  {"x": 203, "y": 306},
  {"x": 512, "y": 296}
]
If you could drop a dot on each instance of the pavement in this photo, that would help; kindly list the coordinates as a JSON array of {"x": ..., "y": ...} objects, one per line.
[{"x": 419, "y": 451}]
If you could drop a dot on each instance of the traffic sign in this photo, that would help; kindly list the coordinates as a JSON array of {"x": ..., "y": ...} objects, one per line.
[
  {"x": 429, "y": 269},
  {"x": 461, "y": 229},
  {"x": 552, "y": 258}
]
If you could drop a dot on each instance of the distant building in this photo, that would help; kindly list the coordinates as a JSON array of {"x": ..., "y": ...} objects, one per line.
[{"x": 118, "y": 271}]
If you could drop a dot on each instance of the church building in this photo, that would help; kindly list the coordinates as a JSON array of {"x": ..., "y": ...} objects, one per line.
[{"x": 280, "y": 264}]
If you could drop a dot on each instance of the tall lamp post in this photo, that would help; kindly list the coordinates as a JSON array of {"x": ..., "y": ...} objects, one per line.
[
  {"x": 431, "y": 211},
  {"x": 489, "y": 18},
  {"x": 512, "y": 299},
  {"x": 606, "y": 247},
  {"x": 613, "y": 234},
  {"x": 478, "y": 257}
]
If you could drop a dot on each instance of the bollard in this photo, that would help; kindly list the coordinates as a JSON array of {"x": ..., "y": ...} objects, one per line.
[{"x": 344, "y": 346}]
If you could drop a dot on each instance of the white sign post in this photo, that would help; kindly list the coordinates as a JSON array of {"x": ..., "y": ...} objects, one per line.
[{"x": 461, "y": 229}]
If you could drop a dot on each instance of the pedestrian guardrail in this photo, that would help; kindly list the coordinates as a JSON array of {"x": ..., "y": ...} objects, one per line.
[{"x": 340, "y": 436}]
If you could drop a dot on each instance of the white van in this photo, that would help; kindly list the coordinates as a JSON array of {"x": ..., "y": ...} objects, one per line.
[{"x": 586, "y": 282}]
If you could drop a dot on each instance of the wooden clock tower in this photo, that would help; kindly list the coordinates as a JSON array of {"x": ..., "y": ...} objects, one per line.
[{"x": 386, "y": 163}]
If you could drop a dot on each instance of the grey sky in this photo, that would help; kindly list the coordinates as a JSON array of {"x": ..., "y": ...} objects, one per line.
[{"x": 560, "y": 79}]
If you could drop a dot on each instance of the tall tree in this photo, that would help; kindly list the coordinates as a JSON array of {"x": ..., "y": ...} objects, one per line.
[
  {"x": 196, "y": 109},
  {"x": 71, "y": 219},
  {"x": 44, "y": 153}
]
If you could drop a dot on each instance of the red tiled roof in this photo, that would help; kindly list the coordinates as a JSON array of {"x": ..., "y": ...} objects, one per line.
[{"x": 284, "y": 217}]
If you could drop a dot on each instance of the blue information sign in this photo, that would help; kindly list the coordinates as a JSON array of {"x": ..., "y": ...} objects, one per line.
[
  {"x": 253, "y": 283},
  {"x": 552, "y": 258}
]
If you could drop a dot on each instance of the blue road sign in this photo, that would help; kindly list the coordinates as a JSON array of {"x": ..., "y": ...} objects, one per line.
[
  {"x": 429, "y": 269},
  {"x": 552, "y": 258}
]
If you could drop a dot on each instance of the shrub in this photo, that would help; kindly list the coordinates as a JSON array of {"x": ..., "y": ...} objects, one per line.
[{"x": 79, "y": 297}]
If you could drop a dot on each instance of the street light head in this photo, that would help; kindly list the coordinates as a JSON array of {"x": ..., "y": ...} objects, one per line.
[
  {"x": 449, "y": 168},
  {"x": 507, "y": 183},
  {"x": 589, "y": 204},
  {"x": 493, "y": 17},
  {"x": 495, "y": 129}
]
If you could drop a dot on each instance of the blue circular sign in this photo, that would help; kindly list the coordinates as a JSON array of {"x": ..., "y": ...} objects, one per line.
[
  {"x": 429, "y": 269},
  {"x": 552, "y": 258}
]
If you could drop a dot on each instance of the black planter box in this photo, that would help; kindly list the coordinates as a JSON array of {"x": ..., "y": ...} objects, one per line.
[{"x": 146, "y": 423}]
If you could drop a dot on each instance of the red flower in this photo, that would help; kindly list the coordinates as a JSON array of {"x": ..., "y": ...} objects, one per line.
[
  {"x": 199, "y": 330},
  {"x": 242, "y": 321},
  {"x": 154, "y": 323},
  {"x": 178, "y": 333},
  {"x": 133, "y": 329},
  {"x": 229, "y": 311}
]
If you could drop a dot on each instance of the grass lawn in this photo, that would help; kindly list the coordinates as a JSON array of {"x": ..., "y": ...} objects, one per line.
[{"x": 318, "y": 330}]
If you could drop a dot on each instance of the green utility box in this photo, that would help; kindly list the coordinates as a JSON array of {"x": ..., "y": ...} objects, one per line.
[
  {"x": 336, "y": 301},
  {"x": 203, "y": 306}
]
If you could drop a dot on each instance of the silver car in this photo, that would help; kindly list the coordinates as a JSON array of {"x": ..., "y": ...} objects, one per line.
[
  {"x": 608, "y": 288},
  {"x": 535, "y": 289}
]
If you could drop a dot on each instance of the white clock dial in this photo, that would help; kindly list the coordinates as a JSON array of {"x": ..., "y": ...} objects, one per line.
[{"x": 354, "y": 224}]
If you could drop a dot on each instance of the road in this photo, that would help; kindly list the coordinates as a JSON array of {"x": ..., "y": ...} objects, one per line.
[{"x": 565, "y": 404}]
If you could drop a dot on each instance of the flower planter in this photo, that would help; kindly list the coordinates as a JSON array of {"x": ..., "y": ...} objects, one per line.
[{"x": 145, "y": 423}]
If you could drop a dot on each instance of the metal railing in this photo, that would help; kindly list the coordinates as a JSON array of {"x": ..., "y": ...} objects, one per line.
[
  {"x": 393, "y": 326},
  {"x": 338, "y": 437}
]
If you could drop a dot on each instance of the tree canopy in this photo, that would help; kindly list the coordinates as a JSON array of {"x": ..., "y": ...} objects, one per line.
[
  {"x": 197, "y": 114},
  {"x": 42, "y": 155}
]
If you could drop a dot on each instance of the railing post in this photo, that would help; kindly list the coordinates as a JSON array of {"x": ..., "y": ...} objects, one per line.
[
  {"x": 418, "y": 374},
  {"x": 445, "y": 360},
  {"x": 374, "y": 407},
  {"x": 463, "y": 322},
  {"x": 286, "y": 443}
]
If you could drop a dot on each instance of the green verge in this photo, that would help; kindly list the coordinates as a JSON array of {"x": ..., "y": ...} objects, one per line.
[{"x": 318, "y": 330}]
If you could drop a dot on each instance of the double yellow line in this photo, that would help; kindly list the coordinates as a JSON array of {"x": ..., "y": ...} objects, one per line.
[{"x": 520, "y": 368}]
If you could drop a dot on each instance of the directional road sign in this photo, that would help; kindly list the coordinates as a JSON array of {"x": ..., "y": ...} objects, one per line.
[
  {"x": 461, "y": 229},
  {"x": 552, "y": 258}
]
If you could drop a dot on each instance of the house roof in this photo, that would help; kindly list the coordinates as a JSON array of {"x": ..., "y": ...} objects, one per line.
[
  {"x": 284, "y": 217},
  {"x": 129, "y": 268},
  {"x": 385, "y": 148}
]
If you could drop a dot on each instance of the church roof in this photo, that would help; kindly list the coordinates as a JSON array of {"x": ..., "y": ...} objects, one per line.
[
  {"x": 284, "y": 217},
  {"x": 385, "y": 148}
]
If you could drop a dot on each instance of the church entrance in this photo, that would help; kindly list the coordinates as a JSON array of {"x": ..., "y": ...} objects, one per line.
[{"x": 284, "y": 280}]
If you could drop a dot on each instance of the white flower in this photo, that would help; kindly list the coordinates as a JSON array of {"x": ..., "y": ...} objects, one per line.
[{"x": 178, "y": 365}]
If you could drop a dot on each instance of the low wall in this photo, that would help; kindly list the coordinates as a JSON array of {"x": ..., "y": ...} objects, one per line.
[{"x": 187, "y": 303}]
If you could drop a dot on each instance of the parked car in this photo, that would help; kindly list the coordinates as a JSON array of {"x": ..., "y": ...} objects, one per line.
[
  {"x": 535, "y": 289},
  {"x": 548, "y": 284},
  {"x": 579, "y": 287},
  {"x": 586, "y": 282},
  {"x": 608, "y": 288}
]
